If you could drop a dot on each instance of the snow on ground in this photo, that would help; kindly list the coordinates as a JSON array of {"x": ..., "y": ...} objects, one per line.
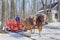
[
  {"x": 47, "y": 34},
  {"x": 50, "y": 33},
  {"x": 8, "y": 37},
  {"x": 54, "y": 24}
]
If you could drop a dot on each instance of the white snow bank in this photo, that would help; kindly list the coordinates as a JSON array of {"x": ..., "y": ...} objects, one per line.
[
  {"x": 54, "y": 24},
  {"x": 12, "y": 37}
]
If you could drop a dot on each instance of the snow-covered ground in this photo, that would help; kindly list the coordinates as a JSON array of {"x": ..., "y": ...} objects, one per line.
[
  {"x": 47, "y": 34},
  {"x": 50, "y": 33},
  {"x": 53, "y": 25}
]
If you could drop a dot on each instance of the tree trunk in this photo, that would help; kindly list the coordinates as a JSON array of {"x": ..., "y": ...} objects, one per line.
[
  {"x": 43, "y": 3},
  {"x": 45, "y": 8},
  {"x": 15, "y": 8},
  {"x": 49, "y": 12},
  {"x": 34, "y": 7},
  {"x": 12, "y": 14},
  {"x": 59, "y": 11},
  {"x": 23, "y": 8},
  {"x": 4, "y": 13}
]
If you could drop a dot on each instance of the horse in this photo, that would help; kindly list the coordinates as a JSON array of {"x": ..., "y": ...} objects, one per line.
[
  {"x": 31, "y": 22},
  {"x": 38, "y": 21}
]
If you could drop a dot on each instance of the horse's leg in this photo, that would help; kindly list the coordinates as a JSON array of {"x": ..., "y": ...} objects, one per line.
[
  {"x": 34, "y": 29},
  {"x": 30, "y": 30},
  {"x": 34, "y": 26},
  {"x": 40, "y": 29},
  {"x": 22, "y": 31}
]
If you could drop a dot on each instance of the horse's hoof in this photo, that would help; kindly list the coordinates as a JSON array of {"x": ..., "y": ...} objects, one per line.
[
  {"x": 29, "y": 35},
  {"x": 39, "y": 35}
]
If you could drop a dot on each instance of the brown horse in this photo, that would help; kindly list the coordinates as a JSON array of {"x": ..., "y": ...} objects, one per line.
[{"x": 36, "y": 20}]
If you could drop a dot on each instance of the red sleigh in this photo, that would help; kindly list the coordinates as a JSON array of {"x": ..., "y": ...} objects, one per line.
[{"x": 12, "y": 25}]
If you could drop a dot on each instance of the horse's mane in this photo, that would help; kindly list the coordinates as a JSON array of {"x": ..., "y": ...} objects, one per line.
[
  {"x": 29, "y": 20},
  {"x": 40, "y": 18}
]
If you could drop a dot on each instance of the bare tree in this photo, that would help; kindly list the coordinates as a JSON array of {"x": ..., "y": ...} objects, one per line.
[
  {"x": 23, "y": 8},
  {"x": 34, "y": 7},
  {"x": 49, "y": 12},
  {"x": 59, "y": 11},
  {"x": 15, "y": 4},
  {"x": 43, "y": 3},
  {"x": 4, "y": 13},
  {"x": 12, "y": 14},
  {"x": 45, "y": 8}
]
